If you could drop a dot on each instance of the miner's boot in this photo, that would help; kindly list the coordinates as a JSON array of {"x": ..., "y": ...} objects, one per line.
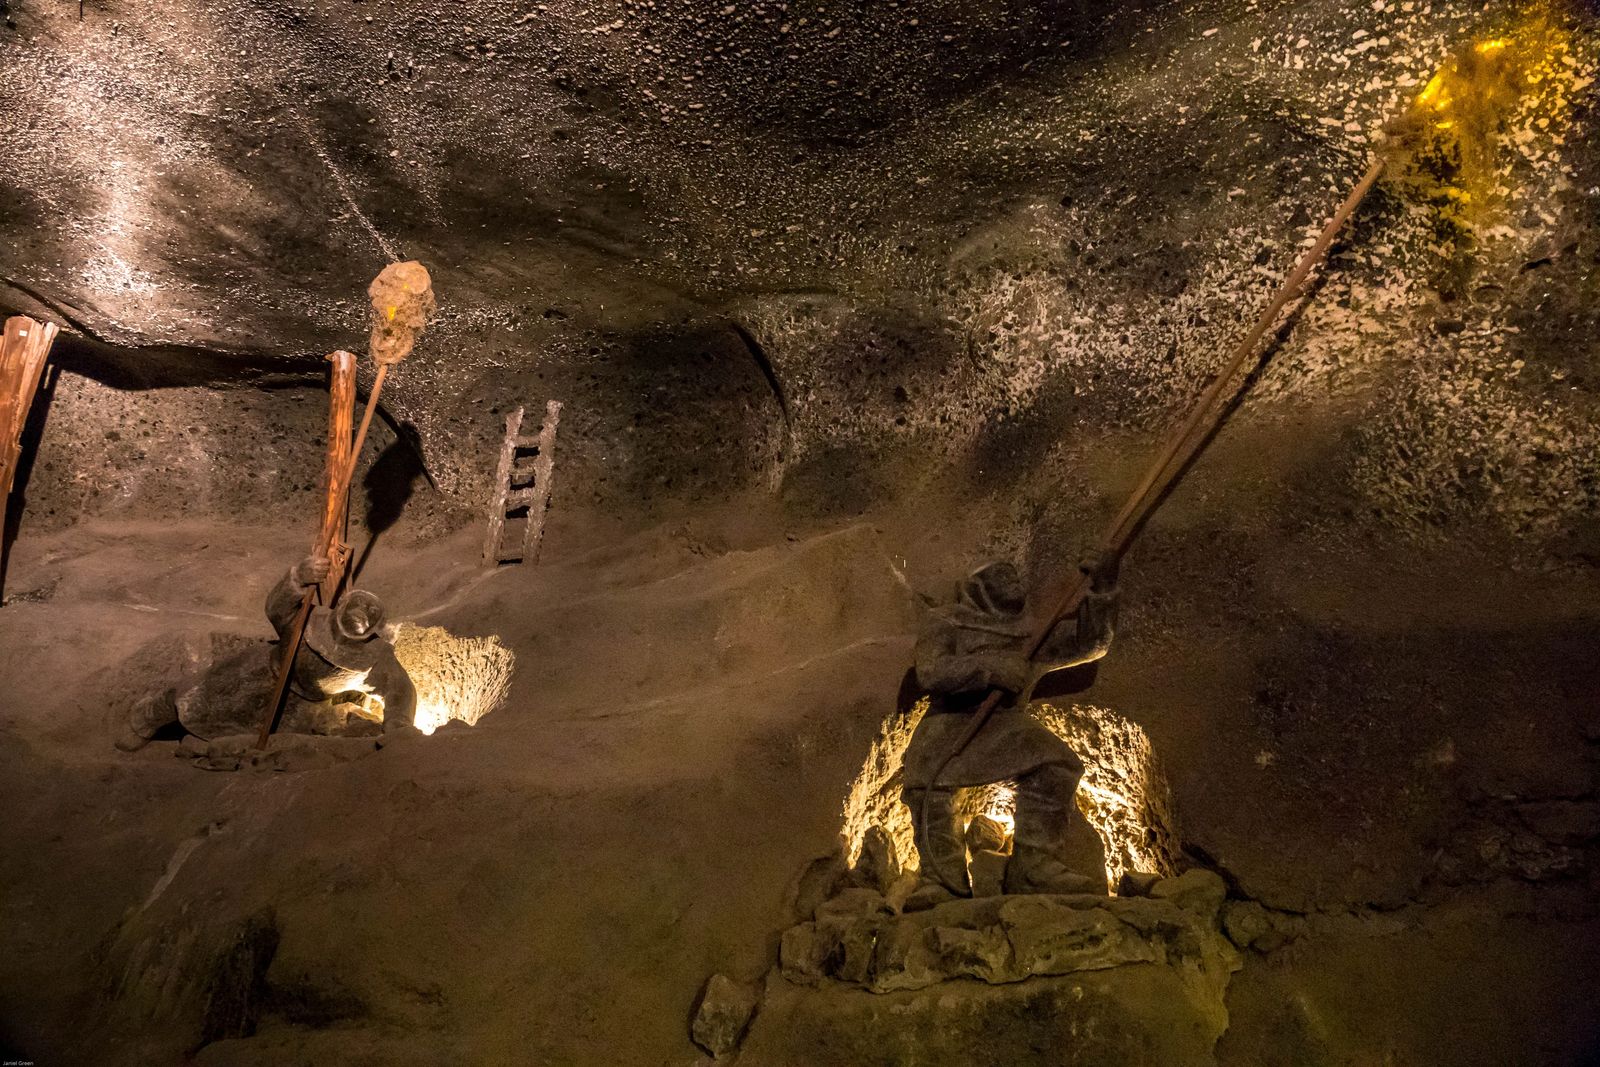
[
  {"x": 145, "y": 719},
  {"x": 941, "y": 850},
  {"x": 1038, "y": 844}
]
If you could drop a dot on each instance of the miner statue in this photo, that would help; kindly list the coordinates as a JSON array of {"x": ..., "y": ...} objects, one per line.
[
  {"x": 346, "y": 679},
  {"x": 967, "y": 648}
]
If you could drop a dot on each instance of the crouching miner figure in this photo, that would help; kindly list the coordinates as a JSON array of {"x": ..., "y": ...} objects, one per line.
[
  {"x": 965, "y": 649},
  {"x": 346, "y": 679}
]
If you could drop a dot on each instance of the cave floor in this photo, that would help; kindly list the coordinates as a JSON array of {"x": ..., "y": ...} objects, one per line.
[{"x": 554, "y": 884}]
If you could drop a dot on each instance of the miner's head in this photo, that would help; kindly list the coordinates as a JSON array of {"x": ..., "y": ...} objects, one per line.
[
  {"x": 358, "y": 616},
  {"x": 996, "y": 589}
]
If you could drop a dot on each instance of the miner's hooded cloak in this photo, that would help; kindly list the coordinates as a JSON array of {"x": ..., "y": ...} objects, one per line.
[
  {"x": 343, "y": 651},
  {"x": 981, "y": 642}
]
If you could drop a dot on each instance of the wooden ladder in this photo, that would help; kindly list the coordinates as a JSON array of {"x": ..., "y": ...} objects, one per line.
[{"x": 522, "y": 490}]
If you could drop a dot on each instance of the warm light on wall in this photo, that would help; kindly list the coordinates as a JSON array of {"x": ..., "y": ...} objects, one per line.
[
  {"x": 431, "y": 714},
  {"x": 1450, "y": 135},
  {"x": 1123, "y": 793},
  {"x": 456, "y": 677}
]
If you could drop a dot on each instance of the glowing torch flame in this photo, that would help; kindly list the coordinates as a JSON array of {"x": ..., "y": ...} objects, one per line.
[{"x": 1444, "y": 143}]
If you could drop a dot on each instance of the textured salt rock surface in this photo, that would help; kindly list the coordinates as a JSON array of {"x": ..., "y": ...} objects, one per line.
[{"x": 950, "y": 229}]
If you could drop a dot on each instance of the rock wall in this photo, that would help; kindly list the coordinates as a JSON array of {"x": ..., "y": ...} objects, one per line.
[
  {"x": 774, "y": 249},
  {"x": 1048, "y": 980}
]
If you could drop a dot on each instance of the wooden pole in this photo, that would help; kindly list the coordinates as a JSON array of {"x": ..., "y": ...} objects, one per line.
[
  {"x": 24, "y": 347},
  {"x": 1204, "y": 416},
  {"x": 337, "y": 574},
  {"x": 1176, "y": 453},
  {"x": 336, "y": 475},
  {"x": 402, "y": 299},
  {"x": 335, "y": 502},
  {"x": 1181, "y": 447}
]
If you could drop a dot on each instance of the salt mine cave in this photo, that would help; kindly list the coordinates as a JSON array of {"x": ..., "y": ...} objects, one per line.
[{"x": 800, "y": 533}]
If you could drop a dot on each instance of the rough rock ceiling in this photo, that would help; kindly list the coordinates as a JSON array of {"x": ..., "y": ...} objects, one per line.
[
  {"x": 931, "y": 216},
  {"x": 215, "y": 173}
]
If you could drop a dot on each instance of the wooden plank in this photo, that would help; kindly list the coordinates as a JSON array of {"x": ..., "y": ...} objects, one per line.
[
  {"x": 337, "y": 471},
  {"x": 44, "y": 338},
  {"x": 544, "y": 466},
  {"x": 24, "y": 347}
]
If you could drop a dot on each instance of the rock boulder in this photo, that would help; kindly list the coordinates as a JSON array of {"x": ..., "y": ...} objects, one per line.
[{"x": 1049, "y": 980}]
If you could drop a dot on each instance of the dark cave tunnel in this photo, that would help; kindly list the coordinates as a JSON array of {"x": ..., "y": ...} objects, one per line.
[{"x": 997, "y": 565}]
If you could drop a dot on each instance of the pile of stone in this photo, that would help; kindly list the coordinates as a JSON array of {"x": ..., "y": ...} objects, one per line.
[
  {"x": 856, "y": 938},
  {"x": 1058, "y": 979}
]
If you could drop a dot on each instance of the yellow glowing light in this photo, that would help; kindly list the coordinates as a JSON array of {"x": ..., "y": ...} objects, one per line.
[
  {"x": 1003, "y": 809},
  {"x": 431, "y": 714},
  {"x": 1449, "y": 143}
]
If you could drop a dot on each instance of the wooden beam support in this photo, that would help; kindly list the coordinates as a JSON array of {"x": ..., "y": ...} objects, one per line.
[{"x": 24, "y": 347}]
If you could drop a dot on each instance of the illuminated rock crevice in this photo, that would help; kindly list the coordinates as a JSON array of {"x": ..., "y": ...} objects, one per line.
[
  {"x": 1123, "y": 794},
  {"x": 461, "y": 678}
]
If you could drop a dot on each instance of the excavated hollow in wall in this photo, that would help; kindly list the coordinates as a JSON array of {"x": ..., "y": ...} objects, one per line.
[
  {"x": 1123, "y": 793},
  {"x": 457, "y": 678}
]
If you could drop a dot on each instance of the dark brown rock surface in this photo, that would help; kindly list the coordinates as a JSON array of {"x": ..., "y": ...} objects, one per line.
[{"x": 1016, "y": 980}]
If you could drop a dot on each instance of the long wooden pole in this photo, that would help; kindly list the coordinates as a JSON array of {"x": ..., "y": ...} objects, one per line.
[
  {"x": 1175, "y": 455},
  {"x": 1161, "y": 473},
  {"x": 335, "y": 503},
  {"x": 1181, "y": 447}
]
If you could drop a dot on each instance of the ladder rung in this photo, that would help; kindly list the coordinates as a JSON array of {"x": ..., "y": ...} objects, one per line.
[{"x": 525, "y": 473}]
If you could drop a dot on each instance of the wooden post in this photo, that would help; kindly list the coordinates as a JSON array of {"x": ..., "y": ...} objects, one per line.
[
  {"x": 335, "y": 502},
  {"x": 24, "y": 347},
  {"x": 336, "y": 475}
]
